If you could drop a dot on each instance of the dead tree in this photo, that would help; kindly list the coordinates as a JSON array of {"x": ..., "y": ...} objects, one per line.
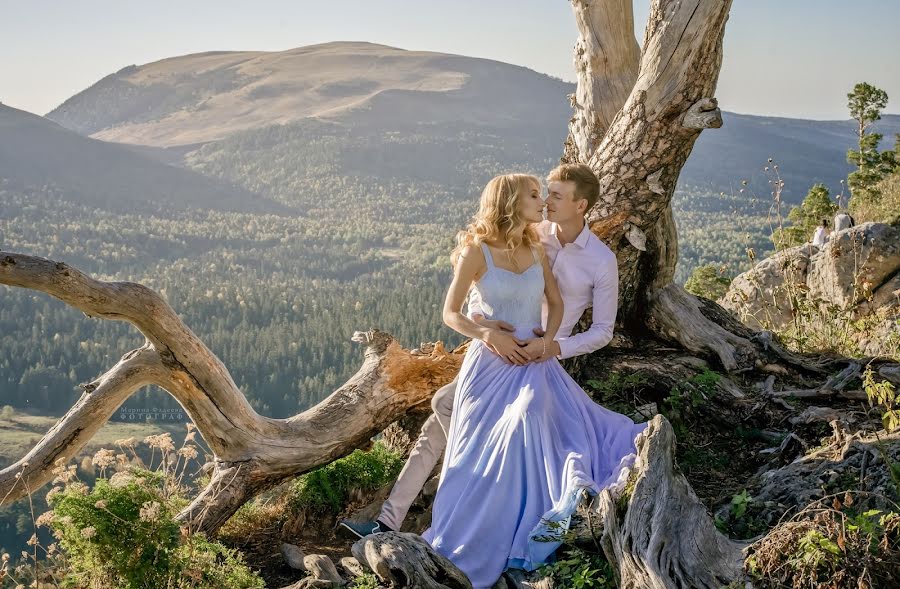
[
  {"x": 639, "y": 151},
  {"x": 252, "y": 452}
]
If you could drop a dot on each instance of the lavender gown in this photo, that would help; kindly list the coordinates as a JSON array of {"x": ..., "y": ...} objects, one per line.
[{"x": 524, "y": 443}]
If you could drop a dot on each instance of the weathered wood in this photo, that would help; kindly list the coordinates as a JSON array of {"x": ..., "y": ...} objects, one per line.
[
  {"x": 606, "y": 67},
  {"x": 252, "y": 452},
  {"x": 406, "y": 560},
  {"x": 664, "y": 538},
  {"x": 321, "y": 567},
  {"x": 644, "y": 148}
]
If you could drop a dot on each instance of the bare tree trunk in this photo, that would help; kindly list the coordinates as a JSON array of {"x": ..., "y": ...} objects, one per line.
[
  {"x": 252, "y": 452},
  {"x": 643, "y": 150},
  {"x": 606, "y": 64}
]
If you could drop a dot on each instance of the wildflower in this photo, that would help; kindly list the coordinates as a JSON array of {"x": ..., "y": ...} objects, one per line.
[
  {"x": 79, "y": 487},
  {"x": 190, "y": 437},
  {"x": 53, "y": 492},
  {"x": 45, "y": 519},
  {"x": 100, "y": 504},
  {"x": 89, "y": 532},
  {"x": 161, "y": 441},
  {"x": 104, "y": 458},
  {"x": 33, "y": 540},
  {"x": 189, "y": 452},
  {"x": 150, "y": 511},
  {"x": 126, "y": 442},
  {"x": 121, "y": 479}
]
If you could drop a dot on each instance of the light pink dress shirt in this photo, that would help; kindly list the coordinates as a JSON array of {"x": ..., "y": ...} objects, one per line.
[{"x": 588, "y": 276}]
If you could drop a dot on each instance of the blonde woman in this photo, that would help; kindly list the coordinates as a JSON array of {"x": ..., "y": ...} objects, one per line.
[{"x": 525, "y": 441}]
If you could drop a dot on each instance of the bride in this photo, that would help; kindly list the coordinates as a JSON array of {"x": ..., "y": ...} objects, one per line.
[{"x": 525, "y": 440}]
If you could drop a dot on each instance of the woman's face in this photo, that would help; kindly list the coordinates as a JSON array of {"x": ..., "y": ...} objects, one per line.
[{"x": 531, "y": 205}]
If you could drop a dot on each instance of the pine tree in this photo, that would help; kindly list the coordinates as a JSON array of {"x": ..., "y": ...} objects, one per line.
[
  {"x": 866, "y": 103},
  {"x": 815, "y": 208}
]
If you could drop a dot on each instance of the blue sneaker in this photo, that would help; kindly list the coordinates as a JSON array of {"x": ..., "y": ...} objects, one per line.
[{"x": 356, "y": 530}]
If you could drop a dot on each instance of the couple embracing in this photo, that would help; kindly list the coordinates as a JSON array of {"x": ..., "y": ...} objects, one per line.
[{"x": 522, "y": 441}]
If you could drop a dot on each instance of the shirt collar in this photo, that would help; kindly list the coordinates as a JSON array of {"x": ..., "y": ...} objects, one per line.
[{"x": 582, "y": 239}]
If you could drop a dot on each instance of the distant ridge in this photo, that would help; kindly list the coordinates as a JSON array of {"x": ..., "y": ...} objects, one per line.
[
  {"x": 186, "y": 101},
  {"x": 35, "y": 152}
]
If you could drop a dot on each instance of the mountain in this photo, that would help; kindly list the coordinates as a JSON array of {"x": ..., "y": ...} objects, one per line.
[
  {"x": 205, "y": 97},
  {"x": 186, "y": 101},
  {"x": 806, "y": 152},
  {"x": 37, "y": 153}
]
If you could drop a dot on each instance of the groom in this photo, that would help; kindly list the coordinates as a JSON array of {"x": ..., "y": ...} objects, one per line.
[{"x": 587, "y": 274}]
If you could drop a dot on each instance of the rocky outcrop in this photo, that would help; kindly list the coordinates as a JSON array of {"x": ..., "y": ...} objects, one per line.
[{"x": 857, "y": 273}]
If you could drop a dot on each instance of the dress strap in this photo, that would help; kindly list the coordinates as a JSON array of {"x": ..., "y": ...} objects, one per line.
[
  {"x": 488, "y": 258},
  {"x": 537, "y": 256}
]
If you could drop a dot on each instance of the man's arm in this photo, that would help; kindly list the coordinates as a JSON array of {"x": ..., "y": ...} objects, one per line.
[{"x": 603, "y": 319}]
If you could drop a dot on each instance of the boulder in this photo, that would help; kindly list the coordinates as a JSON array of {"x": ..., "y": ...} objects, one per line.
[
  {"x": 854, "y": 263},
  {"x": 759, "y": 297},
  {"x": 858, "y": 270}
]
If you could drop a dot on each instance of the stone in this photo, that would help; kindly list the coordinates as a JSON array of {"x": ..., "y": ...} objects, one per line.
[
  {"x": 854, "y": 263},
  {"x": 293, "y": 556}
]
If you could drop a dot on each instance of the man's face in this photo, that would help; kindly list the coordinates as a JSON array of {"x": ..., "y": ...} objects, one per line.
[{"x": 562, "y": 204}]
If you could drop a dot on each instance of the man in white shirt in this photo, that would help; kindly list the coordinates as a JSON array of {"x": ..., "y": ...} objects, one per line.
[{"x": 587, "y": 274}]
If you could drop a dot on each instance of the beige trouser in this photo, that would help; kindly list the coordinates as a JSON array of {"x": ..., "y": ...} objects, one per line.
[{"x": 422, "y": 459}]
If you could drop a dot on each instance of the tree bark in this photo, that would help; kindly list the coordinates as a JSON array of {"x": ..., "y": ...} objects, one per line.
[
  {"x": 252, "y": 453},
  {"x": 404, "y": 560},
  {"x": 641, "y": 155},
  {"x": 664, "y": 538},
  {"x": 606, "y": 65}
]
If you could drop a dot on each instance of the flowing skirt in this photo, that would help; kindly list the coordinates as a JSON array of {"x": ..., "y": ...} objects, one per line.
[{"x": 525, "y": 443}]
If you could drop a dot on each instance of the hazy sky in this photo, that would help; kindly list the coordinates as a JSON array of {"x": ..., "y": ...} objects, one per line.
[{"x": 795, "y": 58}]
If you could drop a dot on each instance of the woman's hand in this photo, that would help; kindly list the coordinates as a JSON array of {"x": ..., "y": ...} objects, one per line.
[
  {"x": 507, "y": 347},
  {"x": 540, "y": 349}
]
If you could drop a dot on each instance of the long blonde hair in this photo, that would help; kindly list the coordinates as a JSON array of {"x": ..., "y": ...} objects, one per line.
[{"x": 498, "y": 216}]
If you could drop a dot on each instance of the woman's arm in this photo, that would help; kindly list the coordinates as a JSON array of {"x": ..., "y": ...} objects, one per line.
[{"x": 470, "y": 266}]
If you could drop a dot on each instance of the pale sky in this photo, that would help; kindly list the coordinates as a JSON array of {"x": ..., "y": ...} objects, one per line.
[{"x": 795, "y": 58}]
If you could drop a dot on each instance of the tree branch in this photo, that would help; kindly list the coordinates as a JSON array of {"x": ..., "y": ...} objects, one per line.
[{"x": 252, "y": 453}]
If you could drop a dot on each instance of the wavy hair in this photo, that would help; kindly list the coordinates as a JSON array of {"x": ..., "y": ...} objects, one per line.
[{"x": 498, "y": 217}]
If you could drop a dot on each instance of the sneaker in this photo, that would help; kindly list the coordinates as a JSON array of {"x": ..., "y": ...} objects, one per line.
[{"x": 357, "y": 530}]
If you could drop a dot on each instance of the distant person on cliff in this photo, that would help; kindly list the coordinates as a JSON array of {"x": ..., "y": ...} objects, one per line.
[{"x": 821, "y": 234}]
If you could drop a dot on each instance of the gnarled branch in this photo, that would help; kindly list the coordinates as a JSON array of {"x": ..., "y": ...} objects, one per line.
[{"x": 252, "y": 452}]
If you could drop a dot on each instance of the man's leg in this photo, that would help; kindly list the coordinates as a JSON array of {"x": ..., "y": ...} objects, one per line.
[{"x": 422, "y": 459}]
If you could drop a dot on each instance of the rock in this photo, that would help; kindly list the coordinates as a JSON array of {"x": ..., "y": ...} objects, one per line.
[
  {"x": 311, "y": 583},
  {"x": 293, "y": 556},
  {"x": 519, "y": 579},
  {"x": 870, "y": 253},
  {"x": 818, "y": 414},
  {"x": 857, "y": 270},
  {"x": 644, "y": 412},
  {"x": 692, "y": 362},
  {"x": 757, "y": 296},
  {"x": 320, "y": 567}
]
